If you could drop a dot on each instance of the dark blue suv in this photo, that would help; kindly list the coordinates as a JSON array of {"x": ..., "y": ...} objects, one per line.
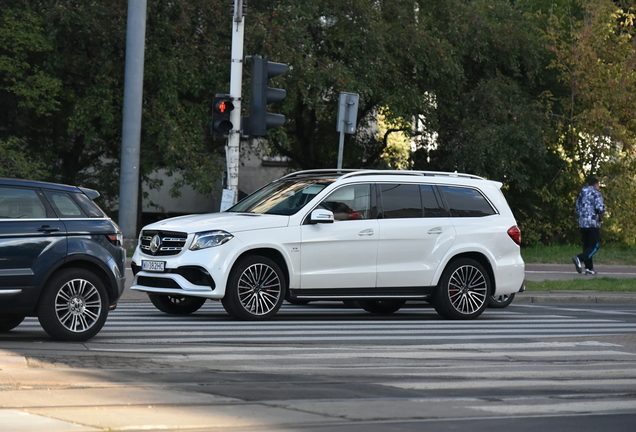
[{"x": 61, "y": 259}]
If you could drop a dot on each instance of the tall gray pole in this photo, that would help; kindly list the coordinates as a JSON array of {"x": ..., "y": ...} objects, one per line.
[{"x": 131, "y": 130}]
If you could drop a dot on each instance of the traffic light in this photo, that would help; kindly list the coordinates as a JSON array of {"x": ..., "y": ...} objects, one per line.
[
  {"x": 260, "y": 120},
  {"x": 221, "y": 109}
]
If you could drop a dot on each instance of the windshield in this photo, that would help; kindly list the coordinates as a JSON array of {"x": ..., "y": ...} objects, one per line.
[{"x": 282, "y": 198}]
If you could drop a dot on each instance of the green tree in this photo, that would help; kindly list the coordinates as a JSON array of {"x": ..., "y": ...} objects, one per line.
[
  {"x": 593, "y": 128},
  {"x": 79, "y": 47}
]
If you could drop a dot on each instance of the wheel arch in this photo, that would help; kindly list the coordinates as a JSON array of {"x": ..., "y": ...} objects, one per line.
[
  {"x": 481, "y": 259},
  {"x": 89, "y": 265},
  {"x": 273, "y": 254}
]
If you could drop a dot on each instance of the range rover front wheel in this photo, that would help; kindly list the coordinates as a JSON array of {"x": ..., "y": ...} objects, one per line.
[
  {"x": 255, "y": 289},
  {"x": 463, "y": 290},
  {"x": 73, "y": 305}
]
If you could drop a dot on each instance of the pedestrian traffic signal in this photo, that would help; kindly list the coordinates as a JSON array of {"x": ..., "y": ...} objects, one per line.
[
  {"x": 261, "y": 95},
  {"x": 221, "y": 109}
]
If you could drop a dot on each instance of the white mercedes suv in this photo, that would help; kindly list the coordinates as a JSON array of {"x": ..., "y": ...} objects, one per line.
[{"x": 377, "y": 237}]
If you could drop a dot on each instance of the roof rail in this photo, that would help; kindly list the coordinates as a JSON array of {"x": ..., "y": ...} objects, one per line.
[
  {"x": 361, "y": 172},
  {"x": 323, "y": 171},
  {"x": 413, "y": 173}
]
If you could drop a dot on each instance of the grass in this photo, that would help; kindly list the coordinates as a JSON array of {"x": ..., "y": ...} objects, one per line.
[
  {"x": 610, "y": 254},
  {"x": 588, "y": 284}
]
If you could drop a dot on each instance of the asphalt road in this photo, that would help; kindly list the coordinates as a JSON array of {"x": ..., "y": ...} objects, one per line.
[{"x": 324, "y": 367}]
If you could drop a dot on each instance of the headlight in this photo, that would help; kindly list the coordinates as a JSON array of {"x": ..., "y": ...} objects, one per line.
[{"x": 208, "y": 239}]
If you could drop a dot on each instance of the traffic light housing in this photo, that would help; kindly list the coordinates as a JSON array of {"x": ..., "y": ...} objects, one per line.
[
  {"x": 261, "y": 95},
  {"x": 221, "y": 110}
]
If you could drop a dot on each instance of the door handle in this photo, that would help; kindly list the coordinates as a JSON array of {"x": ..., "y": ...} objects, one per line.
[
  {"x": 366, "y": 232},
  {"x": 47, "y": 229},
  {"x": 437, "y": 230}
]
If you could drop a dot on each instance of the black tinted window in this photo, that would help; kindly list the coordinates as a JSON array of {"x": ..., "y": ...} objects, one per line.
[
  {"x": 400, "y": 201},
  {"x": 465, "y": 202},
  {"x": 432, "y": 208},
  {"x": 20, "y": 204}
]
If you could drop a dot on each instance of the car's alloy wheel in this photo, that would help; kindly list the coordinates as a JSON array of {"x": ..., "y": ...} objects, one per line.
[
  {"x": 73, "y": 306},
  {"x": 463, "y": 290},
  {"x": 383, "y": 307},
  {"x": 176, "y": 305},
  {"x": 9, "y": 322},
  {"x": 255, "y": 290},
  {"x": 500, "y": 301}
]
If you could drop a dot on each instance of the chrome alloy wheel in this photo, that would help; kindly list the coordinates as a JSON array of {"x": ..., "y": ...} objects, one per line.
[
  {"x": 467, "y": 289},
  {"x": 259, "y": 289},
  {"x": 78, "y": 305}
]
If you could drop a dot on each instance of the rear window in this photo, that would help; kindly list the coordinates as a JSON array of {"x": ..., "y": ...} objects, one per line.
[{"x": 466, "y": 202}]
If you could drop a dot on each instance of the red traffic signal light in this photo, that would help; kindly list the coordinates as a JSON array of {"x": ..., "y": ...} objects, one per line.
[
  {"x": 224, "y": 106},
  {"x": 221, "y": 109}
]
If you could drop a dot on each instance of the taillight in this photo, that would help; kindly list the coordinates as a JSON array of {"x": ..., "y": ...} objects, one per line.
[
  {"x": 515, "y": 234},
  {"x": 115, "y": 239}
]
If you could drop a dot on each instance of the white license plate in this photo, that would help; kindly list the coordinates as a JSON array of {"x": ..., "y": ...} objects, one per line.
[{"x": 155, "y": 266}]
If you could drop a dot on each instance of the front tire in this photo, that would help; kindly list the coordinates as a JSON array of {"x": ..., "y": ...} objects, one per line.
[
  {"x": 381, "y": 307},
  {"x": 463, "y": 290},
  {"x": 9, "y": 322},
  {"x": 73, "y": 305},
  {"x": 500, "y": 301},
  {"x": 176, "y": 305},
  {"x": 255, "y": 289}
]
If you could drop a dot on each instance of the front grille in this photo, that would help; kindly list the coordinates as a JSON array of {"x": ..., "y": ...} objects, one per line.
[{"x": 166, "y": 242}]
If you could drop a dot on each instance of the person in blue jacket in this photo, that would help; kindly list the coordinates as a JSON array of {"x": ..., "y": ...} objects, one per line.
[{"x": 590, "y": 207}]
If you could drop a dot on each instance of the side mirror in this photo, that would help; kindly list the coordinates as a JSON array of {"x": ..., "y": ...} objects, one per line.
[{"x": 321, "y": 216}]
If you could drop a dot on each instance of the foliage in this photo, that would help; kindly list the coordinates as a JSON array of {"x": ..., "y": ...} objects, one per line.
[
  {"x": 16, "y": 163},
  {"x": 378, "y": 49},
  {"x": 537, "y": 94},
  {"x": 80, "y": 47}
]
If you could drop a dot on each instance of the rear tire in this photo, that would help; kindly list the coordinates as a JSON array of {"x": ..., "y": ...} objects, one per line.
[
  {"x": 501, "y": 301},
  {"x": 255, "y": 289},
  {"x": 73, "y": 305},
  {"x": 9, "y": 322},
  {"x": 382, "y": 307},
  {"x": 463, "y": 290},
  {"x": 176, "y": 305}
]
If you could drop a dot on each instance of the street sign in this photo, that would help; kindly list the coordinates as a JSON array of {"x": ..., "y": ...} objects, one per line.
[{"x": 347, "y": 112}]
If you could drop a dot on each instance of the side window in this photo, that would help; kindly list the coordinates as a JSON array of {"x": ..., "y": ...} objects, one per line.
[
  {"x": 352, "y": 202},
  {"x": 466, "y": 202},
  {"x": 400, "y": 201},
  {"x": 20, "y": 204},
  {"x": 64, "y": 205},
  {"x": 431, "y": 205}
]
